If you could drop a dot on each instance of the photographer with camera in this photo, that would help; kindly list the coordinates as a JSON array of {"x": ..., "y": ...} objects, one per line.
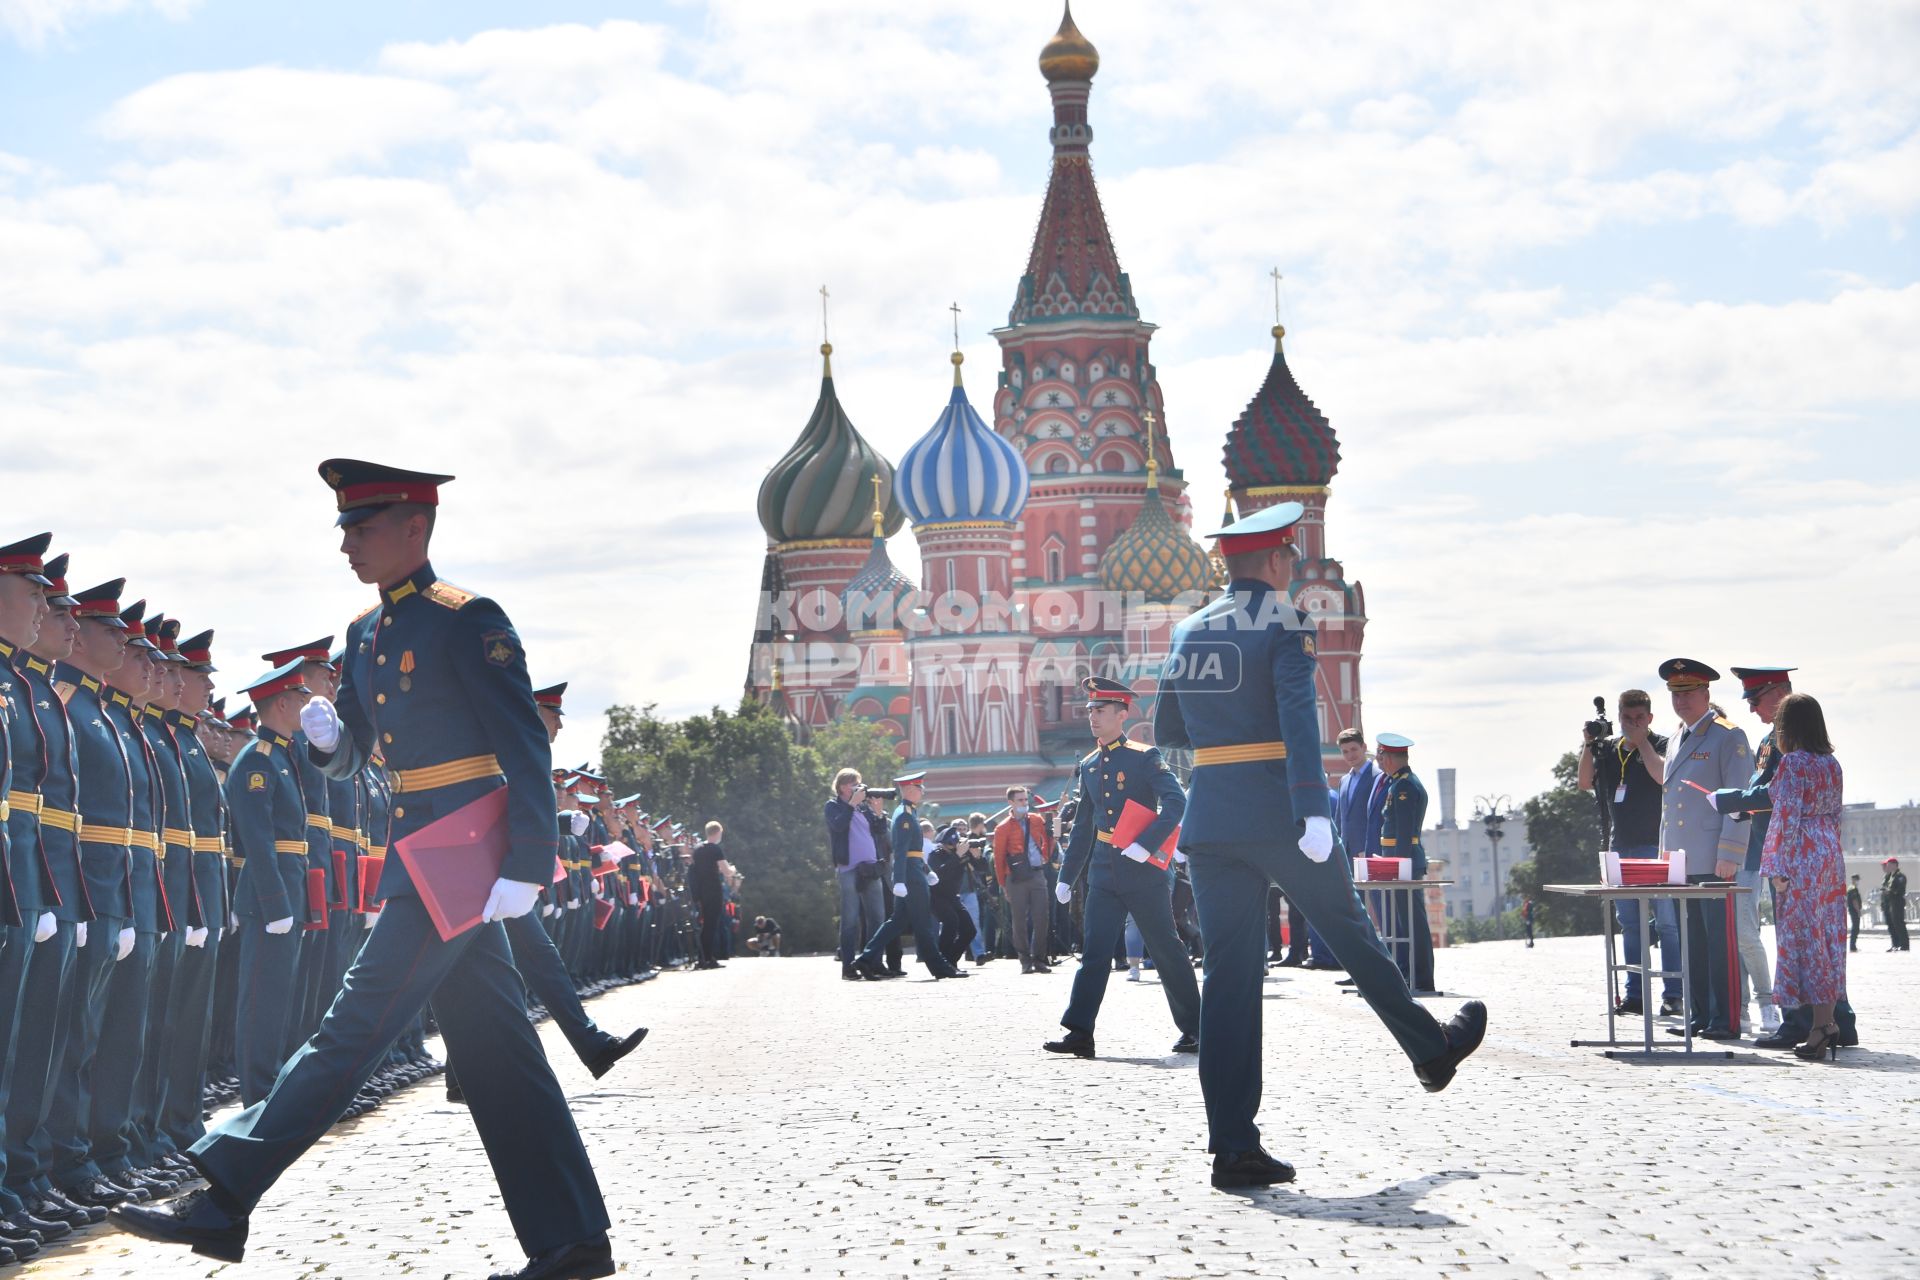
[
  {"x": 857, "y": 871},
  {"x": 1625, "y": 774},
  {"x": 949, "y": 867},
  {"x": 973, "y": 879}
]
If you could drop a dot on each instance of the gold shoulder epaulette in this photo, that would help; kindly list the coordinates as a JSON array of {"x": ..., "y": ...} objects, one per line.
[
  {"x": 1139, "y": 746},
  {"x": 447, "y": 594},
  {"x": 1724, "y": 723}
]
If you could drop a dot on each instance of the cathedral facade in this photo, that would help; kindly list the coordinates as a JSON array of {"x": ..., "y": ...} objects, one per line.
[{"x": 1055, "y": 540}]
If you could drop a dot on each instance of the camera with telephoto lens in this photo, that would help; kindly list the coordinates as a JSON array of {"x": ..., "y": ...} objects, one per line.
[
  {"x": 1598, "y": 729},
  {"x": 880, "y": 793}
]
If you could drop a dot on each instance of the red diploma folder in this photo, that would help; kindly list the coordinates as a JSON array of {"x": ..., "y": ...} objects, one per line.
[
  {"x": 316, "y": 900},
  {"x": 454, "y": 861},
  {"x": 370, "y": 881},
  {"x": 602, "y": 912},
  {"x": 1136, "y": 818}
]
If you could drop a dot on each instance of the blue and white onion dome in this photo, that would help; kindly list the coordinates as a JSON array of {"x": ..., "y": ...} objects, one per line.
[{"x": 961, "y": 470}]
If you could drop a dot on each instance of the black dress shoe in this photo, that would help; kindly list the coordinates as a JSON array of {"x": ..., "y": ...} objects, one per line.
[
  {"x": 455, "y": 1094},
  {"x": 1720, "y": 1033},
  {"x": 1294, "y": 962},
  {"x": 605, "y": 1060},
  {"x": 1629, "y": 1005},
  {"x": 586, "y": 1260},
  {"x": 45, "y": 1230},
  {"x": 18, "y": 1248},
  {"x": 1042, "y": 968},
  {"x": 957, "y": 973},
  {"x": 1077, "y": 1043},
  {"x": 1187, "y": 1044},
  {"x": 101, "y": 1193},
  {"x": 193, "y": 1220},
  {"x": 1779, "y": 1040},
  {"x": 74, "y": 1215},
  {"x": 1253, "y": 1168},
  {"x": 1669, "y": 1007},
  {"x": 1464, "y": 1033},
  {"x": 851, "y": 973}
]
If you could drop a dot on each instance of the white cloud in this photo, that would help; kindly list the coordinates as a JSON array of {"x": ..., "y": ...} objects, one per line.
[
  {"x": 35, "y": 22},
  {"x": 578, "y": 266}
]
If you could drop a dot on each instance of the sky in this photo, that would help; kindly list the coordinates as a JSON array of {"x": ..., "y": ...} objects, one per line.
[{"x": 1614, "y": 309}]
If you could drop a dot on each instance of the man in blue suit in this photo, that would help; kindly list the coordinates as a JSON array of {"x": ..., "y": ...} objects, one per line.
[
  {"x": 1120, "y": 879},
  {"x": 1238, "y": 689}
]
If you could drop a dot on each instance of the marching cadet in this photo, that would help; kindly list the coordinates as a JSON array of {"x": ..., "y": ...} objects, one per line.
[
  {"x": 47, "y": 1002},
  {"x": 1710, "y": 752},
  {"x": 1121, "y": 881},
  {"x": 269, "y": 832},
  {"x": 346, "y": 797},
  {"x": 462, "y": 728},
  {"x": 1238, "y": 689},
  {"x": 310, "y": 916},
  {"x": 25, "y": 883},
  {"x": 236, "y": 730},
  {"x": 1402, "y": 815},
  {"x": 190, "y": 1006},
  {"x": 911, "y": 882},
  {"x": 105, "y": 795}
]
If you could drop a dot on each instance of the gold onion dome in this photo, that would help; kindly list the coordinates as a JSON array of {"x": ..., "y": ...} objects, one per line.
[
  {"x": 1069, "y": 55},
  {"x": 1154, "y": 558}
]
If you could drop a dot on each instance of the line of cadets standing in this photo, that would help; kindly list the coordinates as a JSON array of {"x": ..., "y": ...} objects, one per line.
[{"x": 181, "y": 893}]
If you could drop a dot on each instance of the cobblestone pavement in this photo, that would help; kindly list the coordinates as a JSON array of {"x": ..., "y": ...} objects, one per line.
[{"x": 781, "y": 1122}]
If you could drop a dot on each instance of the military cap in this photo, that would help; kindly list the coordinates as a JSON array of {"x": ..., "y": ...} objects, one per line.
[
  {"x": 101, "y": 603},
  {"x": 551, "y": 696},
  {"x": 24, "y": 558},
  {"x": 337, "y": 659},
  {"x": 1755, "y": 681},
  {"x": 1102, "y": 689},
  {"x": 361, "y": 489},
  {"x": 136, "y": 633},
  {"x": 163, "y": 633},
  {"x": 242, "y": 721},
  {"x": 624, "y": 801},
  {"x": 197, "y": 651},
  {"x": 1268, "y": 527},
  {"x": 311, "y": 651},
  {"x": 1685, "y": 673},
  {"x": 56, "y": 573},
  {"x": 282, "y": 679},
  {"x": 902, "y": 779},
  {"x": 1393, "y": 742}
]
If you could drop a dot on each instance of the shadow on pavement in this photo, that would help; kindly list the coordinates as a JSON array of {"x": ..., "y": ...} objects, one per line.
[{"x": 1395, "y": 1206}]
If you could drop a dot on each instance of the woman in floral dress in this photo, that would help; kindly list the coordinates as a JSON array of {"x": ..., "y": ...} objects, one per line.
[{"x": 1803, "y": 856}]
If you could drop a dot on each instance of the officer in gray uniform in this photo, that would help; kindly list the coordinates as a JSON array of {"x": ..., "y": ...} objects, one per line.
[{"x": 1709, "y": 753}]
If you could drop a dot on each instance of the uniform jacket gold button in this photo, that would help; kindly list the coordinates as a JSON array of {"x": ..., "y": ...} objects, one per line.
[
  {"x": 380, "y": 698},
  {"x": 380, "y": 660},
  {"x": 400, "y": 812}
]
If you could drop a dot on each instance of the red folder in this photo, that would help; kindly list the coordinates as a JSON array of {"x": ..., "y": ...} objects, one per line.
[
  {"x": 602, "y": 912},
  {"x": 1136, "y": 818},
  {"x": 559, "y": 869},
  {"x": 370, "y": 867},
  {"x": 454, "y": 861},
  {"x": 316, "y": 900}
]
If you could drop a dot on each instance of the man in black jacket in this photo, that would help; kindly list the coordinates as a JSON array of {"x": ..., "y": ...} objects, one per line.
[{"x": 956, "y": 927}]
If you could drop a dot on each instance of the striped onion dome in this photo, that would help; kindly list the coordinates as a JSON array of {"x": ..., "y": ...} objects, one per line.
[
  {"x": 1153, "y": 557},
  {"x": 820, "y": 488},
  {"x": 962, "y": 469},
  {"x": 878, "y": 597},
  {"x": 1282, "y": 438}
]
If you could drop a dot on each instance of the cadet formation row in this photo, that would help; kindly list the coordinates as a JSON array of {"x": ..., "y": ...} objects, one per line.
[{"x": 182, "y": 892}]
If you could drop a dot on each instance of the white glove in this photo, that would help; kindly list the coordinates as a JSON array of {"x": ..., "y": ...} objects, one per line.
[
  {"x": 932, "y": 879},
  {"x": 579, "y": 824},
  {"x": 1136, "y": 851},
  {"x": 546, "y": 908},
  {"x": 124, "y": 945},
  {"x": 233, "y": 921},
  {"x": 278, "y": 927},
  {"x": 509, "y": 899},
  {"x": 573, "y": 904},
  {"x": 197, "y": 937},
  {"x": 321, "y": 722},
  {"x": 1317, "y": 843},
  {"x": 899, "y": 888},
  {"x": 80, "y": 934},
  {"x": 599, "y": 890},
  {"x": 43, "y": 927},
  {"x": 369, "y": 918},
  {"x": 1713, "y": 800},
  {"x": 1064, "y": 892}
]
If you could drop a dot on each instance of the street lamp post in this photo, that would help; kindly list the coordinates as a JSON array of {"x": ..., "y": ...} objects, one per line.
[{"x": 1494, "y": 811}]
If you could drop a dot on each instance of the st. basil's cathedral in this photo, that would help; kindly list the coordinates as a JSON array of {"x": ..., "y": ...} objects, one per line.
[{"x": 1068, "y": 508}]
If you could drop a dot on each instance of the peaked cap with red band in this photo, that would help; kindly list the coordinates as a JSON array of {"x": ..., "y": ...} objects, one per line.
[
  {"x": 1755, "y": 681},
  {"x": 312, "y": 651},
  {"x": 1101, "y": 689},
  {"x": 550, "y": 697},
  {"x": 280, "y": 680},
  {"x": 361, "y": 489},
  {"x": 56, "y": 574},
  {"x": 1268, "y": 527},
  {"x": 24, "y": 558},
  {"x": 101, "y": 603},
  {"x": 198, "y": 651}
]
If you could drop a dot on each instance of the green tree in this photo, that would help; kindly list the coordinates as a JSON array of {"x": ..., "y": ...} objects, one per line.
[
  {"x": 741, "y": 767},
  {"x": 1564, "y": 829}
]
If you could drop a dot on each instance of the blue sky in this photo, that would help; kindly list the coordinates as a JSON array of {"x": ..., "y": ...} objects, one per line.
[{"x": 1613, "y": 309}]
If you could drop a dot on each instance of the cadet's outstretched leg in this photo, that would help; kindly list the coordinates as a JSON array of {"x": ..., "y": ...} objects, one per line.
[
  {"x": 1230, "y": 897},
  {"x": 545, "y": 974},
  {"x": 1102, "y": 922}
]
